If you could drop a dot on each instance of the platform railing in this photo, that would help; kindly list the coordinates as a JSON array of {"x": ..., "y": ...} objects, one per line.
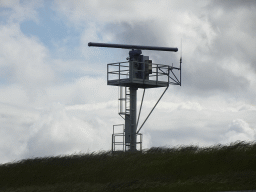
[
  {"x": 121, "y": 135},
  {"x": 116, "y": 143},
  {"x": 118, "y": 71}
]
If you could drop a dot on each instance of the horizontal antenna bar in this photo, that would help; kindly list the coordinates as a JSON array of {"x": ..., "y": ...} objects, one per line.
[{"x": 174, "y": 49}]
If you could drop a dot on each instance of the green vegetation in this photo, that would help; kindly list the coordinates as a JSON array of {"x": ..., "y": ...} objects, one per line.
[{"x": 187, "y": 168}]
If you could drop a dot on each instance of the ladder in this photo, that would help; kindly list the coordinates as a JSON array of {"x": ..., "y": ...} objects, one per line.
[{"x": 124, "y": 101}]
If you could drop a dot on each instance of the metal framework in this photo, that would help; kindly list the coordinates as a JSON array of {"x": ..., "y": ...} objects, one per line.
[{"x": 137, "y": 72}]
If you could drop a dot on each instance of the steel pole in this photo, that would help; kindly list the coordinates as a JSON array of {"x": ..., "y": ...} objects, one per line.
[{"x": 133, "y": 115}]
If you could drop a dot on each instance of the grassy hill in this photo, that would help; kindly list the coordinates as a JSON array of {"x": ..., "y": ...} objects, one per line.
[{"x": 187, "y": 168}]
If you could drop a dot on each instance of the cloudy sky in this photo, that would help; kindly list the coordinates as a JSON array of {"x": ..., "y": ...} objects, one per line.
[{"x": 54, "y": 98}]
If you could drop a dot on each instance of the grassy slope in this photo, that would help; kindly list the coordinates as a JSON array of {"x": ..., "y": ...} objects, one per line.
[{"x": 219, "y": 168}]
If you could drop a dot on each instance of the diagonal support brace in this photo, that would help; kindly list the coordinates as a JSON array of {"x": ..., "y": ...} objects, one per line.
[
  {"x": 140, "y": 107},
  {"x": 153, "y": 109}
]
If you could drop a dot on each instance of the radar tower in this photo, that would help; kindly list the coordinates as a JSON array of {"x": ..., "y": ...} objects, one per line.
[{"x": 137, "y": 72}]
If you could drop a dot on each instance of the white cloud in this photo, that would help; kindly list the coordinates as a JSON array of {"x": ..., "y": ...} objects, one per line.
[
  {"x": 24, "y": 59},
  {"x": 15, "y": 130},
  {"x": 56, "y": 129},
  {"x": 13, "y": 94},
  {"x": 130, "y": 11},
  {"x": 18, "y": 11},
  {"x": 60, "y": 132},
  {"x": 239, "y": 130}
]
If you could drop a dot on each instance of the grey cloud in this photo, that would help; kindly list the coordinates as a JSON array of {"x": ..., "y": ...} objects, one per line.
[
  {"x": 209, "y": 79},
  {"x": 149, "y": 32},
  {"x": 144, "y": 32},
  {"x": 199, "y": 77},
  {"x": 183, "y": 136},
  {"x": 234, "y": 24},
  {"x": 231, "y": 5}
]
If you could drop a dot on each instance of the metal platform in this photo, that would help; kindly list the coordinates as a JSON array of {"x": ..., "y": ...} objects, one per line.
[{"x": 139, "y": 83}]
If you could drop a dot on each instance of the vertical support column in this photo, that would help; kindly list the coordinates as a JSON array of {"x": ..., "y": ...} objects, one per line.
[
  {"x": 133, "y": 115},
  {"x": 130, "y": 121}
]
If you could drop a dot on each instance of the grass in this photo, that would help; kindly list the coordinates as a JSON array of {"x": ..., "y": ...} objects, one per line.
[{"x": 185, "y": 168}]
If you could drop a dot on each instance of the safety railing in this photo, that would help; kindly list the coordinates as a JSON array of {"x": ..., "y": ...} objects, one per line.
[
  {"x": 122, "y": 71},
  {"x": 121, "y": 138},
  {"x": 118, "y": 71},
  {"x": 118, "y": 140}
]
